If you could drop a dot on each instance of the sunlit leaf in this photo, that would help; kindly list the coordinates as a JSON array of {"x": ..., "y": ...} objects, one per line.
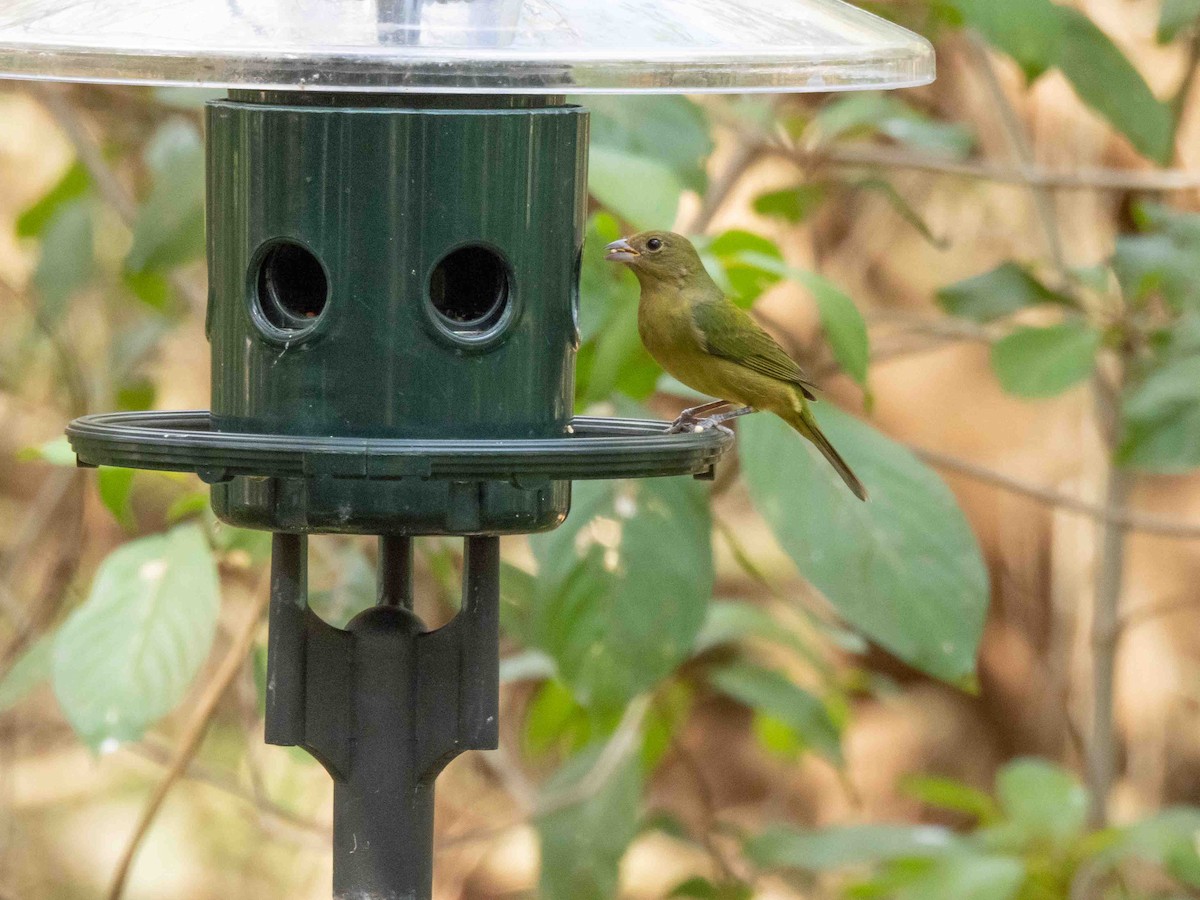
[
  {"x": 875, "y": 113},
  {"x": 67, "y": 258},
  {"x": 792, "y": 204},
  {"x": 1161, "y": 419},
  {"x": 819, "y": 850},
  {"x": 1006, "y": 289},
  {"x": 169, "y": 230},
  {"x": 126, "y": 657},
  {"x": 116, "y": 487},
  {"x": 1176, "y": 16},
  {"x": 583, "y": 843},
  {"x": 1029, "y": 31},
  {"x": 747, "y": 264},
  {"x": 643, "y": 191},
  {"x": 669, "y": 129},
  {"x": 75, "y": 183},
  {"x": 1044, "y": 362},
  {"x": 1107, "y": 81},
  {"x": 1041, "y": 800},
  {"x": 770, "y": 692},
  {"x": 948, "y": 794},
  {"x": 903, "y": 568},
  {"x": 623, "y": 586}
]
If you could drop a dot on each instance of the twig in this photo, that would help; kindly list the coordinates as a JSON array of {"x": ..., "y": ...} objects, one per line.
[
  {"x": 267, "y": 809},
  {"x": 193, "y": 734},
  {"x": 1021, "y": 147},
  {"x": 1050, "y": 497},
  {"x": 744, "y": 156},
  {"x": 1155, "y": 181},
  {"x": 1102, "y": 748}
]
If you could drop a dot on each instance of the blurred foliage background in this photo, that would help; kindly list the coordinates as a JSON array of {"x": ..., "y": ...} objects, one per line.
[{"x": 983, "y": 685}]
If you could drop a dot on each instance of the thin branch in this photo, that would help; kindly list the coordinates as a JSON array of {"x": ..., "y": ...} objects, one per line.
[
  {"x": 1154, "y": 181},
  {"x": 1147, "y": 524},
  {"x": 1021, "y": 147},
  {"x": 745, "y": 155},
  {"x": 193, "y": 734},
  {"x": 270, "y": 812},
  {"x": 1102, "y": 746}
]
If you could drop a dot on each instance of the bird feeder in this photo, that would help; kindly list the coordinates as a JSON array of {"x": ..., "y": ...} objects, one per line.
[{"x": 396, "y": 195}]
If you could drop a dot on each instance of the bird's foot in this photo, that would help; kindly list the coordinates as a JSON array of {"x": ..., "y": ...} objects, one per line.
[
  {"x": 719, "y": 420},
  {"x": 684, "y": 423}
]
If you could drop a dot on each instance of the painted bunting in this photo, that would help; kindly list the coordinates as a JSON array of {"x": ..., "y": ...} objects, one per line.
[{"x": 701, "y": 338}]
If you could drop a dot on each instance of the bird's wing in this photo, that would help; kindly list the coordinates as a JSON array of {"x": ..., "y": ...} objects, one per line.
[{"x": 730, "y": 332}]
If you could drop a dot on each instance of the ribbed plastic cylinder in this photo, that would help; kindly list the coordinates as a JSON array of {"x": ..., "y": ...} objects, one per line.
[{"x": 394, "y": 271}]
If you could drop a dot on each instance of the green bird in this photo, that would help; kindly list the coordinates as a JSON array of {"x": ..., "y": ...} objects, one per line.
[{"x": 701, "y": 338}]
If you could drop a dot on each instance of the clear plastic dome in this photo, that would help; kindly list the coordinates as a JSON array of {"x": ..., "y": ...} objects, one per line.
[{"x": 464, "y": 46}]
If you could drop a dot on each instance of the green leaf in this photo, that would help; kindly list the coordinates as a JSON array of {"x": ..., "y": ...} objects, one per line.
[
  {"x": 1107, "y": 81},
  {"x": 1162, "y": 419},
  {"x": 75, "y": 183},
  {"x": 169, "y": 230},
  {"x": 1041, "y": 800},
  {"x": 582, "y": 844},
  {"x": 116, "y": 488},
  {"x": 844, "y": 325},
  {"x": 613, "y": 359},
  {"x": 67, "y": 257},
  {"x": 1177, "y": 16},
  {"x": 903, "y": 568},
  {"x": 775, "y": 695},
  {"x": 1166, "y": 263},
  {"x": 57, "y": 452},
  {"x": 1040, "y": 34},
  {"x": 1027, "y": 30},
  {"x": 948, "y": 794},
  {"x": 668, "y": 129},
  {"x": 967, "y": 876},
  {"x": 643, "y": 191},
  {"x": 703, "y": 889},
  {"x": 623, "y": 586},
  {"x": 747, "y": 264},
  {"x": 1044, "y": 362},
  {"x": 27, "y": 673},
  {"x": 555, "y": 721},
  {"x": 1006, "y": 289},
  {"x": 792, "y": 204},
  {"x": 825, "y": 849},
  {"x": 1167, "y": 839},
  {"x": 875, "y": 113},
  {"x": 127, "y": 655}
]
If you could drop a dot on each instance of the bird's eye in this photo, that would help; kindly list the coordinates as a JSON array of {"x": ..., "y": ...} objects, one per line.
[{"x": 653, "y": 244}]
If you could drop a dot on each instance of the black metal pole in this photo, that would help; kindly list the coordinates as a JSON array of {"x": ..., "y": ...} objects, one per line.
[{"x": 384, "y": 706}]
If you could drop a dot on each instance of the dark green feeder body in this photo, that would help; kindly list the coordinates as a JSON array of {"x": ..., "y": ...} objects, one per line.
[{"x": 389, "y": 272}]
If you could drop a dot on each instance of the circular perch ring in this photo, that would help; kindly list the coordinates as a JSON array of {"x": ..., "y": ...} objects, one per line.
[{"x": 592, "y": 448}]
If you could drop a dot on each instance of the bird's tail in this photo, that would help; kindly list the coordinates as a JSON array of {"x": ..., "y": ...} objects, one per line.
[{"x": 803, "y": 421}]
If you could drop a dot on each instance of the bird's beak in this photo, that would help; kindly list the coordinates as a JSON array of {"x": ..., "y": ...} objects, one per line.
[{"x": 620, "y": 251}]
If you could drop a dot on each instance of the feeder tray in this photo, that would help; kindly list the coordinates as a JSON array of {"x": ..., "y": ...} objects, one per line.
[{"x": 593, "y": 448}]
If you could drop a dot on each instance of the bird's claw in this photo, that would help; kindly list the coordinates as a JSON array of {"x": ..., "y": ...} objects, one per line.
[{"x": 682, "y": 424}]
